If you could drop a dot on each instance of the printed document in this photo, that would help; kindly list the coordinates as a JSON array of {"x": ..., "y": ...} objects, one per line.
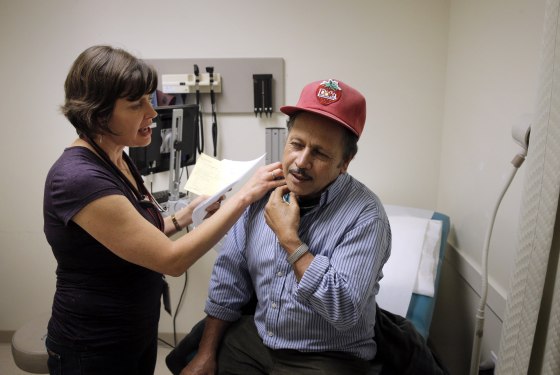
[{"x": 215, "y": 177}]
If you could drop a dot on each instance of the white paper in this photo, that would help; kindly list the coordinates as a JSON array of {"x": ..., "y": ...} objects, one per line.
[
  {"x": 215, "y": 178},
  {"x": 393, "y": 210},
  {"x": 400, "y": 271}
]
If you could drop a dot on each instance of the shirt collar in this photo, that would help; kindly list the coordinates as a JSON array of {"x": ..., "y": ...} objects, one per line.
[{"x": 334, "y": 189}]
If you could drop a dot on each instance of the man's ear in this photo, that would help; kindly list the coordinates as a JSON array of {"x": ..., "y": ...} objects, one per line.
[{"x": 344, "y": 165}]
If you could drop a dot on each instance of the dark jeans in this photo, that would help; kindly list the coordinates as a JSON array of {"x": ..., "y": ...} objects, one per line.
[
  {"x": 138, "y": 358},
  {"x": 243, "y": 352}
]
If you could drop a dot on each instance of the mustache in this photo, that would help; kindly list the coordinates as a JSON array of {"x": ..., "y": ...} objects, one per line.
[{"x": 301, "y": 172}]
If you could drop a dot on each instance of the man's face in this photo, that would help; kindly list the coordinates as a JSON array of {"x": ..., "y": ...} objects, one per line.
[{"x": 313, "y": 155}]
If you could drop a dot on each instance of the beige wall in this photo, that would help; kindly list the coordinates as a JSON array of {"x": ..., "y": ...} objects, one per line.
[
  {"x": 444, "y": 83},
  {"x": 492, "y": 69}
]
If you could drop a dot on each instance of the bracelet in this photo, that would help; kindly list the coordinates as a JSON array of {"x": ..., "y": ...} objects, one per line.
[
  {"x": 176, "y": 223},
  {"x": 300, "y": 251}
]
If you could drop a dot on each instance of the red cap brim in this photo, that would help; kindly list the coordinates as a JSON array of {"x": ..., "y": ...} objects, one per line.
[{"x": 290, "y": 110}]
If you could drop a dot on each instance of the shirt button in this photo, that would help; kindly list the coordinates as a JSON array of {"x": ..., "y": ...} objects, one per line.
[
  {"x": 274, "y": 305},
  {"x": 279, "y": 273},
  {"x": 270, "y": 333}
]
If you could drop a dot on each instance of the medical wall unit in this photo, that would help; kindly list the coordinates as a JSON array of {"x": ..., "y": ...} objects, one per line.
[
  {"x": 234, "y": 81},
  {"x": 187, "y": 88}
]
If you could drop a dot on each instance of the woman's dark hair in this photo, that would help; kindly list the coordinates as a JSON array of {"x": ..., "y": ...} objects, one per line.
[
  {"x": 98, "y": 77},
  {"x": 349, "y": 140}
]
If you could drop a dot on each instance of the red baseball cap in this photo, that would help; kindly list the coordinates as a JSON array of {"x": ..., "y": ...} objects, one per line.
[{"x": 333, "y": 99}]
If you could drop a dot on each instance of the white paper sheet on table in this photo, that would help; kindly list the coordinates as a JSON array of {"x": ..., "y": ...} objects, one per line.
[
  {"x": 215, "y": 178},
  {"x": 400, "y": 271}
]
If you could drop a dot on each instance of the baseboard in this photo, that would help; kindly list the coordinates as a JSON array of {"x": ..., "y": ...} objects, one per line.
[
  {"x": 454, "y": 322},
  {"x": 471, "y": 273},
  {"x": 169, "y": 338}
]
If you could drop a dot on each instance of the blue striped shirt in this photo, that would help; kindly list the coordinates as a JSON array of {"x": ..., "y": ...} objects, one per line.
[{"x": 332, "y": 308}]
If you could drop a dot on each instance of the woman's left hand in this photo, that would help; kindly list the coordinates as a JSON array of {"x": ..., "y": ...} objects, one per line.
[
  {"x": 184, "y": 216},
  {"x": 214, "y": 207}
]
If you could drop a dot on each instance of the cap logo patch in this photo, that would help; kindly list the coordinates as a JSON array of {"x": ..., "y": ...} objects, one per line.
[{"x": 329, "y": 92}]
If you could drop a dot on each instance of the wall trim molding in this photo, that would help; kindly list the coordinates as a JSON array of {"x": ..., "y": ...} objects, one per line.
[
  {"x": 471, "y": 273},
  {"x": 6, "y": 336}
]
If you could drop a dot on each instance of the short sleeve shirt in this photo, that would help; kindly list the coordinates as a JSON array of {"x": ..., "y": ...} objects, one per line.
[{"x": 100, "y": 298}]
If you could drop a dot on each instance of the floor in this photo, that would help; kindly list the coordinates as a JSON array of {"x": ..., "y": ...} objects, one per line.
[{"x": 8, "y": 367}]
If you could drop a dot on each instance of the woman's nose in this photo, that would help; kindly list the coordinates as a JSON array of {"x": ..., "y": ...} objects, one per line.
[{"x": 151, "y": 113}]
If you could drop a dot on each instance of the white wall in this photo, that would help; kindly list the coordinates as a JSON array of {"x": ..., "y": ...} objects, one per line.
[
  {"x": 437, "y": 134},
  {"x": 493, "y": 62},
  {"x": 494, "y": 52}
]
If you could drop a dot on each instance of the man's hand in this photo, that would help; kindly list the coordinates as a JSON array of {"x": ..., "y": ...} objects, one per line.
[
  {"x": 200, "y": 365},
  {"x": 205, "y": 361},
  {"x": 283, "y": 217}
]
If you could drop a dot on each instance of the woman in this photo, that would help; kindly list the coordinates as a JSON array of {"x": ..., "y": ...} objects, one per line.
[{"x": 109, "y": 239}]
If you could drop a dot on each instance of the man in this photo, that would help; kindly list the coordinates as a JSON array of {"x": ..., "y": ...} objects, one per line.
[{"x": 312, "y": 253}]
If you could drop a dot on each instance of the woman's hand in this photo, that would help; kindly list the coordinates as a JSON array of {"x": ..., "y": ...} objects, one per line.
[
  {"x": 184, "y": 216},
  {"x": 214, "y": 207},
  {"x": 266, "y": 178}
]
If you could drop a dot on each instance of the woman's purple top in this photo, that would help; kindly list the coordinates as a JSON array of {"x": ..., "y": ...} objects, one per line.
[{"x": 100, "y": 299}]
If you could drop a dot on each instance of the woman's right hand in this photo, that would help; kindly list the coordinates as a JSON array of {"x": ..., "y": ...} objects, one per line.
[{"x": 266, "y": 178}]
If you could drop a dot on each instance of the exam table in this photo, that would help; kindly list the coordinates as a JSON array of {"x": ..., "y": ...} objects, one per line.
[{"x": 414, "y": 230}]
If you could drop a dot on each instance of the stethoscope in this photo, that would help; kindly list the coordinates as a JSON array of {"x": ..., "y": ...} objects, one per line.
[{"x": 141, "y": 196}]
